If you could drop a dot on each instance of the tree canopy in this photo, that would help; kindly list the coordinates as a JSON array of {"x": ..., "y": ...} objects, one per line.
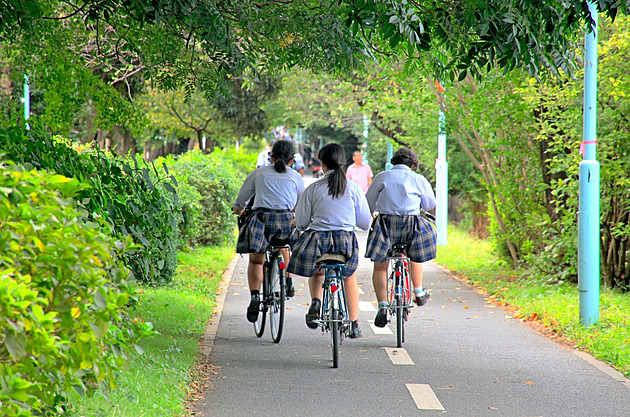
[{"x": 205, "y": 40}]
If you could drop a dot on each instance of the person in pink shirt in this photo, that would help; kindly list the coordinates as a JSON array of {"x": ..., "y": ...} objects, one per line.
[{"x": 359, "y": 172}]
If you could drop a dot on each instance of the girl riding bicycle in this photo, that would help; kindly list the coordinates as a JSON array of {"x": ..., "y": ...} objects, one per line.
[
  {"x": 328, "y": 212},
  {"x": 398, "y": 195},
  {"x": 275, "y": 190}
]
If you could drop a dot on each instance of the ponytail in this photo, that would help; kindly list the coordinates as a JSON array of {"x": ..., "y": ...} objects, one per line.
[
  {"x": 280, "y": 165},
  {"x": 334, "y": 157},
  {"x": 282, "y": 152}
]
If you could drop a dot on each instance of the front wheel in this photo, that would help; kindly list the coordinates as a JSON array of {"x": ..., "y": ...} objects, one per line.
[{"x": 277, "y": 304}]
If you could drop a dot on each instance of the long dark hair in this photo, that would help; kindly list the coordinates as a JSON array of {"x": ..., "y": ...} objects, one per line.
[
  {"x": 282, "y": 151},
  {"x": 334, "y": 157}
]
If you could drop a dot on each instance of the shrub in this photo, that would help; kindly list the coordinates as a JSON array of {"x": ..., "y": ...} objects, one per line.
[
  {"x": 209, "y": 183},
  {"x": 62, "y": 295},
  {"x": 122, "y": 196}
]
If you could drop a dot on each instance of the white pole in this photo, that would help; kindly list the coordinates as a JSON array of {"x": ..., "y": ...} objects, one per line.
[
  {"x": 441, "y": 184},
  {"x": 27, "y": 100}
]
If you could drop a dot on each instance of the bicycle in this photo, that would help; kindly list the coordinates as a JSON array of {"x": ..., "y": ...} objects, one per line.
[
  {"x": 273, "y": 296},
  {"x": 399, "y": 297},
  {"x": 334, "y": 315}
]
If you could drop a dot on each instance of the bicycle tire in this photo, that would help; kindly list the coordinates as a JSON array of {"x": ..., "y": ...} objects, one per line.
[
  {"x": 400, "y": 323},
  {"x": 336, "y": 336},
  {"x": 277, "y": 293},
  {"x": 259, "y": 324}
]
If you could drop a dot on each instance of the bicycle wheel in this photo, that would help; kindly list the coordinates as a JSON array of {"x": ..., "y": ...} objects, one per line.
[
  {"x": 277, "y": 291},
  {"x": 259, "y": 324},
  {"x": 406, "y": 293},
  {"x": 400, "y": 321},
  {"x": 335, "y": 328}
]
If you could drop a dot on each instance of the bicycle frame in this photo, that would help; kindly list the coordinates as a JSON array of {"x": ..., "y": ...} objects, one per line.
[
  {"x": 399, "y": 267},
  {"x": 399, "y": 289},
  {"x": 334, "y": 295},
  {"x": 334, "y": 307},
  {"x": 273, "y": 293}
]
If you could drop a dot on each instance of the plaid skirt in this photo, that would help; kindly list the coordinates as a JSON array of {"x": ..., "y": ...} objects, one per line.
[
  {"x": 416, "y": 231},
  {"x": 265, "y": 225},
  {"x": 313, "y": 243}
]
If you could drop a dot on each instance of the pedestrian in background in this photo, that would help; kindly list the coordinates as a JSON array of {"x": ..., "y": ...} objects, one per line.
[{"x": 359, "y": 172}]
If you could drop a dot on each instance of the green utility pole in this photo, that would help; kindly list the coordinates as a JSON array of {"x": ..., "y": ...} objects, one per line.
[{"x": 588, "y": 214}]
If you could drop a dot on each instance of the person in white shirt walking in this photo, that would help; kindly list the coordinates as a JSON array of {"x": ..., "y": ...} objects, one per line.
[
  {"x": 398, "y": 195},
  {"x": 359, "y": 172}
]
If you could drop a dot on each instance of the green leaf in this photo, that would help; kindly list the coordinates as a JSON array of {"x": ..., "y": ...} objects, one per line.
[
  {"x": 100, "y": 301},
  {"x": 15, "y": 345}
]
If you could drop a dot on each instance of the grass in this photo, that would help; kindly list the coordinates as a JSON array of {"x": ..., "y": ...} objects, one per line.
[
  {"x": 554, "y": 306},
  {"x": 156, "y": 383}
]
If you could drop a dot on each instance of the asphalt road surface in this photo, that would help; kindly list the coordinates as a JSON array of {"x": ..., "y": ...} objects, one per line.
[{"x": 463, "y": 357}]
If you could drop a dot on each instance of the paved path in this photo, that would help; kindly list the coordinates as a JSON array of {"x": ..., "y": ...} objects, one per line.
[{"x": 463, "y": 357}]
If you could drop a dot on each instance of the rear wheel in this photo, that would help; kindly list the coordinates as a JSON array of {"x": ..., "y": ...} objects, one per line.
[
  {"x": 400, "y": 320},
  {"x": 277, "y": 304},
  {"x": 259, "y": 324},
  {"x": 335, "y": 328}
]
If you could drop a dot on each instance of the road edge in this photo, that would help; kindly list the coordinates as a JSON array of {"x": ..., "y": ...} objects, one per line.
[
  {"x": 585, "y": 356},
  {"x": 206, "y": 343}
]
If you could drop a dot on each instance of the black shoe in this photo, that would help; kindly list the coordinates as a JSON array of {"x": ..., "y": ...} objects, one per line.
[
  {"x": 422, "y": 298},
  {"x": 381, "y": 317},
  {"x": 313, "y": 313},
  {"x": 355, "y": 332},
  {"x": 290, "y": 289},
  {"x": 254, "y": 309}
]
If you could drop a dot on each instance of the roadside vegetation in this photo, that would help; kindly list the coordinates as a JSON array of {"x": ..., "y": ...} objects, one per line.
[
  {"x": 123, "y": 176},
  {"x": 537, "y": 299},
  {"x": 89, "y": 248},
  {"x": 157, "y": 382}
]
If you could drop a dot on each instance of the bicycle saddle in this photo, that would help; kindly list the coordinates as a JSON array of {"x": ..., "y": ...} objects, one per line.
[
  {"x": 332, "y": 259},
  {"x": 278, "y": 243},
  {"x": 398, "y": 249}
]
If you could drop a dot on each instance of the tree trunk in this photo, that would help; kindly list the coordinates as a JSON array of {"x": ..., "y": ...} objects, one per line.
[{"x": 479, "y": 222}]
